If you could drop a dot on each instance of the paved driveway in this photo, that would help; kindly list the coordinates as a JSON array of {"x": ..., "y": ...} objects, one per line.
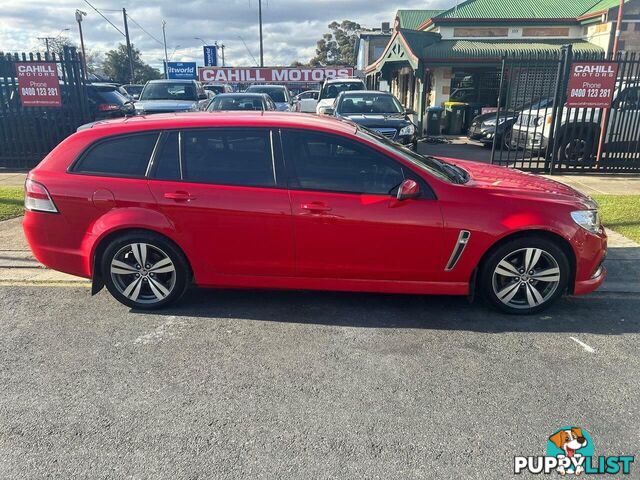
[{"x": 245, "y": 384}]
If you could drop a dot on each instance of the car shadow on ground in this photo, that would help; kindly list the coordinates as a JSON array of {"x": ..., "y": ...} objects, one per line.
[{"x": 600, "y": 313}]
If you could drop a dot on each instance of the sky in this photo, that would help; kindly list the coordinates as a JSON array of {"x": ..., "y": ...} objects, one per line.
[{"x": 290, "y": 28}]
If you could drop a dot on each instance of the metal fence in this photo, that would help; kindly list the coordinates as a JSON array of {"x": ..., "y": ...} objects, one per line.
[
  {"x": 27, "y": 134},
  {"x": 538, "y": 132}
]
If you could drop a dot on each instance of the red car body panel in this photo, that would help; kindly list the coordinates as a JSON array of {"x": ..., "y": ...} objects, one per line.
[{"x": 279, "y": 238}]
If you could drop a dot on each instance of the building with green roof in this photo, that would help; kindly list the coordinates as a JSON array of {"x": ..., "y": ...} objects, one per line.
[{"x": 432, "y": 53}]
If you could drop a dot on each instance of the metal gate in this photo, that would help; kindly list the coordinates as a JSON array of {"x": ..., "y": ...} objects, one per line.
[
  {"x": 540, "y": 133},
  {"x": 27, "y": 134}
]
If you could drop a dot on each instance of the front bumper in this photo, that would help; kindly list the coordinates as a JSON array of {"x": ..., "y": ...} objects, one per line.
[
  {"x": 590, "y": 253},
  {"x": 528, "y": 140},
  {"x": 481, "y": 134}
]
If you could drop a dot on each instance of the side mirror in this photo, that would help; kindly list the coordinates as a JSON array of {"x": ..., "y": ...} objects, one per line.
[
  {"x": 410, "y": 111},
  {"x": 408, "y": 189},
  {"x": 329, "y": 111}
]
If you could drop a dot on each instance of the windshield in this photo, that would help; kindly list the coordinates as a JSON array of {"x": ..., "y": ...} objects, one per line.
[
  {"x": 276, "y": 94},
  {"x": 169, "y": 91},
  {"x": 434, "y": 166},
  {"x": 248, "y": 102},
  {"x": 369, "y": 103},
  {"x": 332, "y": 90}
]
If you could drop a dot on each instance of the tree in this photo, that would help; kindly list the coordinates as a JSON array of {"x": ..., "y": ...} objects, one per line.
[
  {"x": 57, "y": 45},
  {"x": 298, "y": 64},
  {"x": 338, "y": 46},
  {"x": 116, "y": 66}
]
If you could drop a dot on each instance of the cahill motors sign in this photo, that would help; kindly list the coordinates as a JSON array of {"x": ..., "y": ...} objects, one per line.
[
  {"x": 280, "y": 75},
  {"x": 38, "y": 84},
  {"x": 591, "y": 84}
]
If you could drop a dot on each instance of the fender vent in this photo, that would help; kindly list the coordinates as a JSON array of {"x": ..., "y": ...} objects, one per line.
[{"x": 463, "y": 239}]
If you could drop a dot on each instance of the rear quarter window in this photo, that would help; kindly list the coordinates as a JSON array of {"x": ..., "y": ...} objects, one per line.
[{"x": 126, "y": 156}]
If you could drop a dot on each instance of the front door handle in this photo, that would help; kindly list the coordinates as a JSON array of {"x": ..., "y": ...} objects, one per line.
[
  {"x": 179, "y": 196},
  {"x": 316, "y": 207}
]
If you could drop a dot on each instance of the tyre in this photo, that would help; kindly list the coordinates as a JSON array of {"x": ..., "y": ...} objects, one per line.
[
  {"x": 505, "y": 140},
  {"x": 525, "y": 275},
  {"x": 577, "y": 149},
  {"x": 145, "y": 271}
]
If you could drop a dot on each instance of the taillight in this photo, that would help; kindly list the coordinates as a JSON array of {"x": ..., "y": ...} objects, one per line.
[
  {"x": 37, "y": 198},
  {"x": 108, "y": 107}
]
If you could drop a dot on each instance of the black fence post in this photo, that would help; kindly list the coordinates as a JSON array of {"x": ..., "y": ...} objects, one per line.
[
  {"x": 500, "y": 95},
  {"x": 558, "y": 107}
]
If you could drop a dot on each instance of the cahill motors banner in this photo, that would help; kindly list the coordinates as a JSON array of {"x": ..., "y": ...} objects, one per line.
[{"x": 270, "y": 74}]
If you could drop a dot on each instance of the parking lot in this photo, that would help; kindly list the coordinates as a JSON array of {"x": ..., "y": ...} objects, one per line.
[{"x": 240, "y": 384}]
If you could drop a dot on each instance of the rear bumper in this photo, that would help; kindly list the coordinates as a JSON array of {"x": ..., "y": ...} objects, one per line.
[{"x": 48, "y": 238}]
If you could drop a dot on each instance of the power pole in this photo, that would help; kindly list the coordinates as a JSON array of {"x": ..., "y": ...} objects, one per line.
[
  {"x": 79, "y": 15},
  {"x": 222, "y": 47},
  {"x": 129, "y": 51},
  {"x": 261, "y": 45},
  {"x": 46, "y": 42},
  {"x": 164, "y": 38}
]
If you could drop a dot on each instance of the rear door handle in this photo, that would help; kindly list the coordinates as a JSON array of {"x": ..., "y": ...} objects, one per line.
[
  {"x": 316, "y": 207},
  {"x": 179, "y": 196}
]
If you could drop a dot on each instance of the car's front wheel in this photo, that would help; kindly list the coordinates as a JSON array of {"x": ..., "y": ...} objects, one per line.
[
  {"x": 144, "y": 270},
  {"x": 525, "y": 275}
]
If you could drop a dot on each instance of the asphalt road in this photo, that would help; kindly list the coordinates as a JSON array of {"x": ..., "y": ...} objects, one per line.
[{"x": 246, "y": 384}]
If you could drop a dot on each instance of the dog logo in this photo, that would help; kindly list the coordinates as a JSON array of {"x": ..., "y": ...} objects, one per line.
[
  {"x": 570, "y": 451},
  {"x": 571, "y": 443}
]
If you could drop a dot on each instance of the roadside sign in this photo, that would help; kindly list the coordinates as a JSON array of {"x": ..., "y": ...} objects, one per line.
[
  {"x": 591, "y": 84},
  {"x": 271, "y": 74},
  {"x": 38, "y": 84},
  {"x": 181, "y": 70},
  {"x": 210, "y": 55}
]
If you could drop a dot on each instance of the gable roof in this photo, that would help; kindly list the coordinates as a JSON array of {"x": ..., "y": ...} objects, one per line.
[
  {"x": 529, "y": 10},
  {"x": 412, "y": 19}
]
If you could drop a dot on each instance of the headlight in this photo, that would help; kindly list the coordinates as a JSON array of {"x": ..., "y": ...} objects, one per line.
[
  {"x": 587, "y": 219},
  {"x": 408, "y": 130}
]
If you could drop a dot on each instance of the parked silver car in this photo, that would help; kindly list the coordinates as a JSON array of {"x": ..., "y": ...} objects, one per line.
[{"x": 163, "y": 96}]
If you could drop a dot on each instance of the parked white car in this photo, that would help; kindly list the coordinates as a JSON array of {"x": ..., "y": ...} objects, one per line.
[
  {"x": 332, "y": 88},
  {"x": 580, "y": 127},
  {"x": 308, "y": 101}
]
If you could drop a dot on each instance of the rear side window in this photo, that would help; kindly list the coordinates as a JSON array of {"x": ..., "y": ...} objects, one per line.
[
  {"x": 121, "y": 157},
  {"x": 228, "y": 157}
]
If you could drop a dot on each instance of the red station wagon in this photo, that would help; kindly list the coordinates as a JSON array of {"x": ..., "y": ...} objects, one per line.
[{"x": 149, "y": 206}]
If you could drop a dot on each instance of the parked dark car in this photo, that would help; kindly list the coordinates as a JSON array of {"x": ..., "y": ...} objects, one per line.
[
  {"x": 241, "y": 101},
  {"x": 106, "y": 101},
  {"x": 166, "y": 96},
  {"x": 378, "y": 111},
  {"x": 483, "y": 128},
  {"x": 280, "y": 94}
]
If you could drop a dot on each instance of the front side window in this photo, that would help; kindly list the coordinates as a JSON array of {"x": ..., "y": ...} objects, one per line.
[
  {"x": 126, "y": 156},
  {"x": 228, "y": 157},
  {"x": 319, "y": 161}
]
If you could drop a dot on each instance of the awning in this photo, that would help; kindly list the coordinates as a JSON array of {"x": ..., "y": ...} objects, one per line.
[{"x": 494, "y": 49}]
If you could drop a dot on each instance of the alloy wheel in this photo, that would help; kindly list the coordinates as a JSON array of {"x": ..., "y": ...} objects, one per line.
[
  {"x": 526, "y": 278},
  {"x": 143, "y": 273}
]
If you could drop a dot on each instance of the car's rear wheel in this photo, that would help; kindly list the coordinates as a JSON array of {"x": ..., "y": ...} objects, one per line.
[
  {"x": 144, "y": 271},
  {"x": 525, "y": 275}
]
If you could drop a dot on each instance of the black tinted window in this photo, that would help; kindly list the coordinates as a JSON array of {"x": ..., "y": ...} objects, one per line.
[
  {"x": 329, "y": 162},
  {"x": 122, "y": 156},
  {"x": 167, "y": 161},
  {"x": 228, "y": 157}
]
